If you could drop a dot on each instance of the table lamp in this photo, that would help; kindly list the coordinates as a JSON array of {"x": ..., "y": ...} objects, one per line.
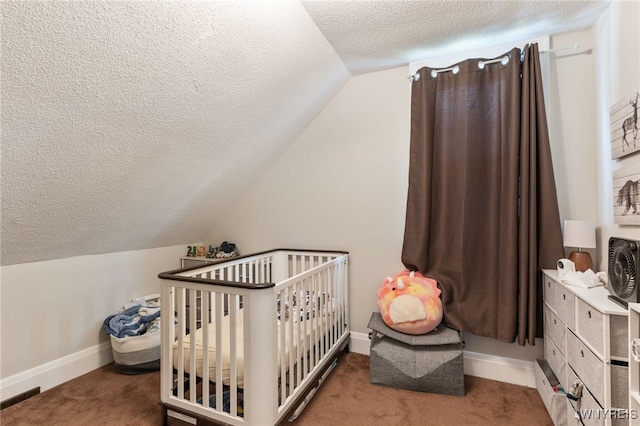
[{"x": 580, "y": 234}]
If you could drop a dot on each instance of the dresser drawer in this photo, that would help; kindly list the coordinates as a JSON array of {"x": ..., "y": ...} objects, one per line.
[
  {"x": 619, "y": 331},
  {"x": 554, "y": 401},
  {"x": 555, "y": 328},
  {"x": 548, "y": 289},
  {"x": 587, "y": 366},
  {"x": 592, "y": 413},
  {"x": 588, "y": 408},
  {"x": 573, "y": 418},
  {"x": 623, "y": 420},
  {"x": 562, "y": 301},
  {"x": 591, "y": 326},
  {"x": 543, "y": 386},
  {"x": 619, "y": 386},
  {"x": 556, "y": 361}
]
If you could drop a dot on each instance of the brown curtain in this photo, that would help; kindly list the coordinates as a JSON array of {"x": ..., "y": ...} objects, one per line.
[{"x": 482, "y": 214}]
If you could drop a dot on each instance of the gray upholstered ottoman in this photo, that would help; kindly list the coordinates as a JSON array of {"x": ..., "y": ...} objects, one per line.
[{"x": 429, "y": 362}]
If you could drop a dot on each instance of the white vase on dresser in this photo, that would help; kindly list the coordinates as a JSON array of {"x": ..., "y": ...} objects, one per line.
[{"x": 585, "y": 338}]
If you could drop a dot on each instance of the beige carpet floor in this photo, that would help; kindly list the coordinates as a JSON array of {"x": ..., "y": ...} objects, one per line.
[{"x": 104, "y": 397}]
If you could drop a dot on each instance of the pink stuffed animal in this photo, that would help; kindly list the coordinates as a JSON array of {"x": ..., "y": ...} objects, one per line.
[{"x": 410, "y": 303}]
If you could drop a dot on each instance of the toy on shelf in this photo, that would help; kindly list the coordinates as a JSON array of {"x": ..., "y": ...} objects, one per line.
[
  {"x": 224, "y": 251},
  {"x": 193, "y": 251}
]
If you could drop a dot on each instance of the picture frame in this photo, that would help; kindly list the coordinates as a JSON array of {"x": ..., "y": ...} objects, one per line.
[
  {"x": 626, "y": 195},
  {"x": 624, "y": 126}
]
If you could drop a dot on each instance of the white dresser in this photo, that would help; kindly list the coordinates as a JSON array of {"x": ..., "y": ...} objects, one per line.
[
  {"x": 634, "y": 366},
  {"x": 585, "y": 337}
]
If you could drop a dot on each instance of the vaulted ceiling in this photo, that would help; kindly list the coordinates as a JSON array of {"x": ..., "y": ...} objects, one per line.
[{"x": 136, "y": 124}]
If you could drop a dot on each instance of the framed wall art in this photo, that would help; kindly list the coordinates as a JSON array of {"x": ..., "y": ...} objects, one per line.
[
  {"x": 626, "y": 196},
  {"x": 623, "y": 119}
]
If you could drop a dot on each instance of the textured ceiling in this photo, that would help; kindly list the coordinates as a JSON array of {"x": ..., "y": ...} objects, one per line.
[
  {"x": 136, "y": 124},
  {"x": 375, "y": 35}
]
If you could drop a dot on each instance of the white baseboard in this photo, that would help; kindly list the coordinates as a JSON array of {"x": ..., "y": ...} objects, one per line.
[
  {"x": 359, "y": 343},
  {"x": 56, "y": 372},
  {"x": 494, "y": 367}
]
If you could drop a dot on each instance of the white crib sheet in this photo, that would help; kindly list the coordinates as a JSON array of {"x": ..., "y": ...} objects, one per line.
[{"x": 312, "y": 325}]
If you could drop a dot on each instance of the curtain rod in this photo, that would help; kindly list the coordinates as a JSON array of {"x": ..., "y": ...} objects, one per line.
[
  {"x": 504, "y": 60},
  {"x": 572, "y": 47}
]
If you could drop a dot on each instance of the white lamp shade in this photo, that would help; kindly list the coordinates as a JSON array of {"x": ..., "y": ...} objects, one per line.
[{"x": 579, "y": 233}]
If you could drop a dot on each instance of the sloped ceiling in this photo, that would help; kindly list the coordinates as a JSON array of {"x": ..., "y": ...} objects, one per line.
[{"x": 136, "y": 124}]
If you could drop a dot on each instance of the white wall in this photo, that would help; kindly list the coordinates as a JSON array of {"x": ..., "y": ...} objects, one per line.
[
  {"x": 52, "y": 311},
  {"x": 572, "y": 127},
  {"x": 343, "y": 183},
  {"x": 617, "y": 71}
]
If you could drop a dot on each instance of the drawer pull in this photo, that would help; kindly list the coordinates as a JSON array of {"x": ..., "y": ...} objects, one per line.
[
  {"x": 589, "y": 314},
  {"x": 554, "y": 322},
  {"x": 582, "y": 353},
  {"x": 564, "y": 297},
  {"x": 554, "y": 352}
]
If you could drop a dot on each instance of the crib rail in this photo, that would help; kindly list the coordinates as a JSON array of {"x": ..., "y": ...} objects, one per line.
[
  {"x": 253, "y": 370},
  {"x": 251, "y": 272}
]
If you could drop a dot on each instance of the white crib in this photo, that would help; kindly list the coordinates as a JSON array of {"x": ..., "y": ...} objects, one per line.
[{"x": 252, "y": 336}]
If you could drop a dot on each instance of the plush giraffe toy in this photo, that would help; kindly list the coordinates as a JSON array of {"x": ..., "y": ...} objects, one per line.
[{"x": 410, "y": 303}]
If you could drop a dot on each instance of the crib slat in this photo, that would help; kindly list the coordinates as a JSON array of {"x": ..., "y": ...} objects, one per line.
[
  {"x": 300, "y": 343},
  {"x": 328, "y": 310},
  {"x": 318, "y": 302},
  {"x": 218, "y": 324},
  {"x": 181, "y": 333},
  {"x": 312, "y": 345},
  {"x": 167, "y": 339},
  {"x": 314, "y": 319},
  {"x": 269, "y": 261},
  {"x": 320, "y": 314},
  {"x": 263, "y": 271},
  {"x": 333, "y": 304},
  {"x": 345, "y": 291},
  {"x": 311, "y": 325},
  {"x": 191, "y": 295},
  {"x": 205, "y": 344},
  {"x": 340, "y": 301},
  {"x": 233, "y": 354},
  {"x": 305, "y": 330},
  {"x": 282, "y": 350},
  {"x": 293, "y": 344}
]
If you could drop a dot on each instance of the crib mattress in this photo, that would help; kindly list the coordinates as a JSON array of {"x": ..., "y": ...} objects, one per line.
[{"x": 312, "y": 325}]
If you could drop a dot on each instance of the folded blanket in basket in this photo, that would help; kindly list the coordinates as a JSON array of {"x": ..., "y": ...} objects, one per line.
[{"x": 133, "y": 321}]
